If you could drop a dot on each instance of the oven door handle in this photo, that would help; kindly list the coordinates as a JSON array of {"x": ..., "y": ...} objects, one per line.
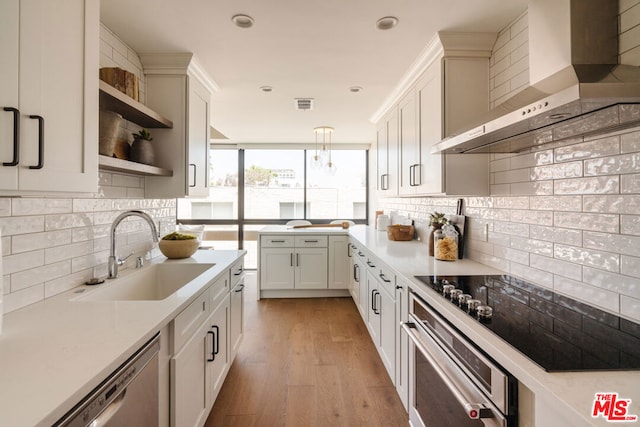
[{"x": 475, "y": 411}]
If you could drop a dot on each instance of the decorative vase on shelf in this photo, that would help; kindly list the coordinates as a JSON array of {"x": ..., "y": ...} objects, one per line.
[
  {"x": 109, "y": 125},
  {"x": 142, "y": 150}
]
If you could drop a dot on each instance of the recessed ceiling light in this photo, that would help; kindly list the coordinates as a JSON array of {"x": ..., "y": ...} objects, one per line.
[
  {"x": 387, "y": 23},
  {"x": 355, "y": 89},
  {"x": 266, "y": 88},
  {"x": 242, "y": 21}
]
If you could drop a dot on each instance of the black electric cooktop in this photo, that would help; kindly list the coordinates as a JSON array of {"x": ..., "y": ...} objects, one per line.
[{"x": 556, "y": 332}]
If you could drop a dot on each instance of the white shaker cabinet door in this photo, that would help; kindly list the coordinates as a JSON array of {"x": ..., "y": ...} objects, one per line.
[
  {"x": 276, "y": 268},
  {"x": 59, "y": 52}
]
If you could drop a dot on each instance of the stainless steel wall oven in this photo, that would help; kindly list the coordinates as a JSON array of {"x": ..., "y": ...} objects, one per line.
[{"x": 451, "y": 381}]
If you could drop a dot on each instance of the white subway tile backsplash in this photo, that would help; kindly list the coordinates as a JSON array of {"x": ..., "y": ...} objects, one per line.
[
  {"x": 556, "y": 266},
  {"x": 556, "y": 235},
  {"x": 21, "y": 298},
  {"x": 587, "y": 221},
  {"x": 630, "y": 142},
  {"x": 619, "y": 283},
  {"x": 625, "y": 163},
  {"x": 32, "y": 241},
  {"x": 587, "y": 150},
  {"x": 558, "y": 171},
  {"x": 532, "y": 217},
  {"x": 557, "y": 203},
  {"x": 55, "y": 286},
  {"x": 92, "y": 205},
  {"x": 38, "y": 206},
  {"x": 630, "y": 224},
  {"x": 72, "y": 250},
  {"x": 538, "y": 188},
  {"x": 11, "y": 226},
  {"x": 533, "y": 246},
  {"x": 619, "y": 204},
  {"x": 5, "y": 206},
  {"x": 630, "y": 307},
  {"x": 630, "y": 266},
  {"x": 60, "y": 222},
  {"x": 38, "y": 275},
  {"x": 619, "y": 243},
  {"x": 540, "y": 277},
  {"x": 630, "y": 184},
  {"x": 589, "y": 257},
  {"x": 599, "y": 185},
  {"x": 24, "y": 261},
  {"x": 513, "y": 255}
]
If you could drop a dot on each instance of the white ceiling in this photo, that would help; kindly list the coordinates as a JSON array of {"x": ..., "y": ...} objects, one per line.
[{"x": 302, "y": 48}]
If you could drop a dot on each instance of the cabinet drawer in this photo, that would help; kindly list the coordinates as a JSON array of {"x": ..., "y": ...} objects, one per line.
[
  {"x": 387, "y": 278},
  {"x": 219, "y": 289},
  {"x": 276, "y": 241},
  {"x": 237, "y": 272},
  {"x": 312, "y": 241},
  {"x": 189, "y": 320}
]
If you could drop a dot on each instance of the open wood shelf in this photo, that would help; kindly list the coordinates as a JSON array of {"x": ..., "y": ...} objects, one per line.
[
  {"x": 119, "y": 165},
  {"x": 113, "y": 100}
]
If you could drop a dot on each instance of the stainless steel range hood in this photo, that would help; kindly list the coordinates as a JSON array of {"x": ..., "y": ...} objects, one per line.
[{"x": 576, "y": 86}]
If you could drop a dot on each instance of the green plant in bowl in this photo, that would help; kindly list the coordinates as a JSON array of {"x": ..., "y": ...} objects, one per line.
[{"x": 178, "y": 245}]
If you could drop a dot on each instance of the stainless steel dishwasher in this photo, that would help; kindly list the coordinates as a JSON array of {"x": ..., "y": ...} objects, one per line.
[{"x": 127, "y": 398}]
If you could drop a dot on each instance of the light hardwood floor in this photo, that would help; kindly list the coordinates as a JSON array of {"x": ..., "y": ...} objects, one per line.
[{"x": 306, "y": 362}]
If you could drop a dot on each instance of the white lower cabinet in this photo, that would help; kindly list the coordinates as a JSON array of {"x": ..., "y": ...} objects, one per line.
[
  {"x": 381, "y": 313},
  {"x": 339, "y": 262},
  {"x": 402, "y": 343},
  {"x": 293, "y": 262},
  {"x": 236, "y": 326},
  {"x": 204, "y": 340}
]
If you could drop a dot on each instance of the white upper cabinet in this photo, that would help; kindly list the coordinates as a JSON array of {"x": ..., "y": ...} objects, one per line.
[
  {"x": 387, "y": 154},
  {"x": 452, "y": 91},
  {"x": 49, "y": 96},
  {"x": 177, "y": 88}
]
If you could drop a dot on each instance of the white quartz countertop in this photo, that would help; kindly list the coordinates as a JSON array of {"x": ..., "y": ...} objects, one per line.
[
  {"x": 569, "y": 393},
  {"x": 55, "y": 352},
  {"x": 279, "y": 229}
]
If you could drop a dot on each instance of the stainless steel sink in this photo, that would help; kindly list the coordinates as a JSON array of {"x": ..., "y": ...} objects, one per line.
[{"x": 151, "y": 283}]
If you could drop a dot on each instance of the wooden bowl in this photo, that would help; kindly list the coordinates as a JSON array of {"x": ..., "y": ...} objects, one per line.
[
  {"x": 400, "y": 232},
  {"x": 176, "y": 249}
]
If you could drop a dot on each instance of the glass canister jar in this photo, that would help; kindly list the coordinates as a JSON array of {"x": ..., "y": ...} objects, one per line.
[{"x": 445, "y": 243}]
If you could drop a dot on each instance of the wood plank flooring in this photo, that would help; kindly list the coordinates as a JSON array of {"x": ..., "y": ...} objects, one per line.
[{"x": 306, "y": 362}]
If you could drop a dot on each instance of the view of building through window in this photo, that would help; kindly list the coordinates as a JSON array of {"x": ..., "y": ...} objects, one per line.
[{"x": 278, "y": 185}]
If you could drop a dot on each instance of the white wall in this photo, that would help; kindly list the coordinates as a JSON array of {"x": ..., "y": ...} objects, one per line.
[{"x": 53, "y": 244}]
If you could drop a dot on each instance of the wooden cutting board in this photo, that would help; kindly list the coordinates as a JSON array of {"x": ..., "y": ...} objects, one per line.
[{"x": 458, "y": 221}]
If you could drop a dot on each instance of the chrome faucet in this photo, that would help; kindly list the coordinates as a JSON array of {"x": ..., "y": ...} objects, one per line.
[{"x": 114, "y": 261}]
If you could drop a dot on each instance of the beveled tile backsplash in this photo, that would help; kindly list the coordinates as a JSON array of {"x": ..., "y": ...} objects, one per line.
[
  {"x": 52, "y": 244},
  {"x": 573, "y": 225}
]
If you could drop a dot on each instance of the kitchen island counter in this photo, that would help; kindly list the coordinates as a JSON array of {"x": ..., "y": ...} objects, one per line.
[{"x": 55, "y": 352}]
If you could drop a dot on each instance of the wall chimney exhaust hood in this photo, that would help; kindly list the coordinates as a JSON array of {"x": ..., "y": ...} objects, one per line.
[{"x": 576, "y": 86}]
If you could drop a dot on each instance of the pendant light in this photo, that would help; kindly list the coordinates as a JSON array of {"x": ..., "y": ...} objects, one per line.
[
  {"x": 317, "y": 162},
  {"x": 329, "y": 166}
]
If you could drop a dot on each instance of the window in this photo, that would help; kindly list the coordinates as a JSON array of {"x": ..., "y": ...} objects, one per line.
[{"x": 274, "y": 186}]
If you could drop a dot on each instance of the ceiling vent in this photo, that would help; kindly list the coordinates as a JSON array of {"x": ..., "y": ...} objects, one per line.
[{"x": 304, "y": 104}]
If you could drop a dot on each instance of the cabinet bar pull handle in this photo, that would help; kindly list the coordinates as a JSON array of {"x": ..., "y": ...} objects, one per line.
[
  {"x": 356, "y": 273},
  {"x": 370, "y": 264},
  {"x": 417, "y": 180},
  {"x": 311, "y": 241},
  {"x": 291, "y": 259},
  {"x": 411, "y": 175},
  {"x": 239, "y": 272},
  {"x": 360, "y": 253},
  {"x": 297, "y": 260},
  {"x": 277, "y": 241},
  {"x": 194, "y": 174},
  {"x": 384, "y": 278},
  {"x": 16, "y": 136},
  {"x": 213, "y": 355},
  {"x": 349, "y": 251},
  {"x": 240, "y": 288},
  {"x": 216, "y": 348},
  {"x": 40, "y": 120}
]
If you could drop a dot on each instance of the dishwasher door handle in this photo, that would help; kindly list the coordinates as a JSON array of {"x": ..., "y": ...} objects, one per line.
[{"x": 110, "y": 411}]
